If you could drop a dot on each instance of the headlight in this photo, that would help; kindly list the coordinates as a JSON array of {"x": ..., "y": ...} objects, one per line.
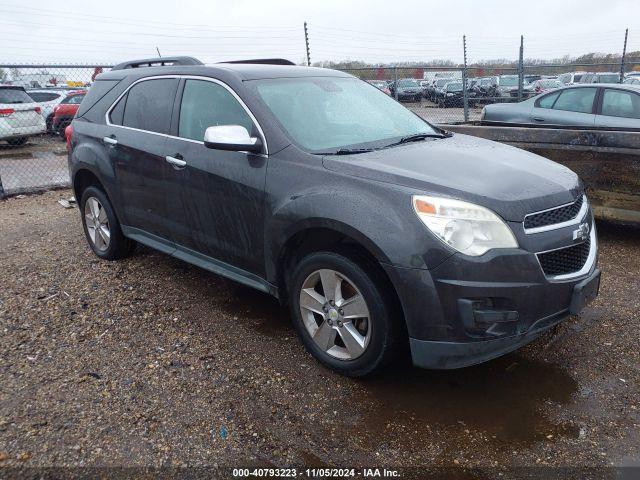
[{"x": 470, "y": 229}]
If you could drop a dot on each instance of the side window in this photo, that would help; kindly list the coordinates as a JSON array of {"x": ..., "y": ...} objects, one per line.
[
  {"x": 117, "y": 113},
  {"x": 207, "y": 104},
  {"x": 548, "y": 100},
  {"x": 149, "y": 105},
  {"x": 576, "y": 100},
  {"x": 618, "y": 103}
]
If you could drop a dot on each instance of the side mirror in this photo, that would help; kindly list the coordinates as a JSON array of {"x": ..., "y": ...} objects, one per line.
[{"x": 231, "y": 137}]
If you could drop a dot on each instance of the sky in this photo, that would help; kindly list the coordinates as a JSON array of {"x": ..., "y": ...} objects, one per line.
[{"x": 106, "y": 32}]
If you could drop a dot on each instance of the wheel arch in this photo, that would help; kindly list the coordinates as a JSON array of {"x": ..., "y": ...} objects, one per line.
[{"x": 323, "y": 235}]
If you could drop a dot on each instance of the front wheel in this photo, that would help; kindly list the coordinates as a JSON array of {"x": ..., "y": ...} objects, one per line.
[{"x": 344, "y": 313}]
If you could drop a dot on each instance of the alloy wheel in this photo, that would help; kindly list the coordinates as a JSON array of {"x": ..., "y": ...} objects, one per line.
[
  {"x": 97, "y": 222},
  {"x": 335, "y": 314}
]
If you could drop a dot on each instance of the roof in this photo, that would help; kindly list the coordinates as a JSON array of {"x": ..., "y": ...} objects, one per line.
[{"x": 243, "y": 71}]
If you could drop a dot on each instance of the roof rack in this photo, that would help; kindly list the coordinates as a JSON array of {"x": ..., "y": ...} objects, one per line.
[
  {"x": 158, "y": 62},
  {"x": 264, "y": 61}
]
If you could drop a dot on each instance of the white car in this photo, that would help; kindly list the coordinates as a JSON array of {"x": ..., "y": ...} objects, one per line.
[
  {"x": 48, "y": 98},
  {"x": 20, "y": 116}
]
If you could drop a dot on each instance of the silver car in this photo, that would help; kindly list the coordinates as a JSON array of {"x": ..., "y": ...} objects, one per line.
[{"x": 598, "y": 105}]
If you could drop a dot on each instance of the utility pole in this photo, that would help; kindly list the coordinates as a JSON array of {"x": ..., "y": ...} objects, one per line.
[
  {"x": 306, "y": 41},
  {"x": 624, "y": 53},
  {"x": 521, "y": 68},
  {"x": 465, "y": 91}
]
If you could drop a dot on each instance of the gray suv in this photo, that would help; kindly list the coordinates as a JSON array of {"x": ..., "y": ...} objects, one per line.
[{"x": 380, "y": 231}]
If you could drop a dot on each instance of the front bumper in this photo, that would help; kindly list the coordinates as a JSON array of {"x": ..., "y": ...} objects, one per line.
[
  {"x": 450, "y": 355},
  {"x": 470, "y": 309}
]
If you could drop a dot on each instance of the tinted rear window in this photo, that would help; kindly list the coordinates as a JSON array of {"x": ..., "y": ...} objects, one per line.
[
  {"x": 150, "y": 104},
  {"x": 43, "y": 96},
  {"x": 14, "y": 95}
]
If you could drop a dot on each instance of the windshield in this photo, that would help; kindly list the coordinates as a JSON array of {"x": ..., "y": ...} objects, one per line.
[
  {"x": 510, "y": 81},
  {"x": 550, "y": 83},
  {"x": 323, "y": 114},
  {"x": 454, "y": 87},
  {"x": 14, "y": 95},
  {"x": 442, "y": 82},
  {"x": 407, "y": 83}
]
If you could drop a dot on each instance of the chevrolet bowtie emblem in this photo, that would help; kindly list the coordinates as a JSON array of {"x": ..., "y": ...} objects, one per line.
[{"x": 582, "y": 232}]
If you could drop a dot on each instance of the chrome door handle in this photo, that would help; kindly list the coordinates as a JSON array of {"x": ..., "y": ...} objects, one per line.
[
  {"x": 110, "y": 140},
  {"x": 176, "y": 162}
]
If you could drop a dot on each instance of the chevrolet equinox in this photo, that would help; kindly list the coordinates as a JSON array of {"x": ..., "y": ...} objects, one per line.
[{"x": 379, "y": 230}]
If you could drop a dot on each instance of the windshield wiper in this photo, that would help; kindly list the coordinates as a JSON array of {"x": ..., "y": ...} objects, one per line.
[
  {"x": 348, "y": 151},
  {"x": 418, "y": 137}
]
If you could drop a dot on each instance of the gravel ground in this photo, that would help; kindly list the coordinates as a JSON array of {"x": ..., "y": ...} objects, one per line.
[{"x": 152, "y": 362}]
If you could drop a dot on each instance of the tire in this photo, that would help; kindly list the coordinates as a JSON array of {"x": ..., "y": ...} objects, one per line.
[
  {"x": 62, "y": 127},
  {"x": 118, "y": 246},
  {"x": 379, "y": 335},
  {"x": 16, "y": 142}
]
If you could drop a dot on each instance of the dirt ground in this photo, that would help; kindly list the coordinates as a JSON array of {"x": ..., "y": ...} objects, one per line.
[{"x": 152, "y": 362}]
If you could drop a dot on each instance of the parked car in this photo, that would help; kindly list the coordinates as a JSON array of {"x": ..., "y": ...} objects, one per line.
[
  {"x": 571, "y": 78},
  {"x": 632, "y": 81},
  {"x": 545, "y": 84},
  {"x": 601, "y": 105},
  {"x": 424, "y": 86},
  {"x": 64, "y": 112},
  {"x": 437, "y": 88},
  {"x": 407, "y": 89},
  {"x": 48, "y": 98},
  {"x": 504, "y": 85},
  {"x": 606, "y": 77},
  {"x": 378, "y": 229},
  {"x": 451, "y": 95},
  {"x": 380, "y": 85},
  {"x": 20, "y": 115}
]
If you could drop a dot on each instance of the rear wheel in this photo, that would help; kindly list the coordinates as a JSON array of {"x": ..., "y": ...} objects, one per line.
[
  {"x": 343, "y": 313},
  {"x": 101, "y": 227}
]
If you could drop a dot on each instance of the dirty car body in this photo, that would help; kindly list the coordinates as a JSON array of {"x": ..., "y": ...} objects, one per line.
[{"x": 408, "y": 210}]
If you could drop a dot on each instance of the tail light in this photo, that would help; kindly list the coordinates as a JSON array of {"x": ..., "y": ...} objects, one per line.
[
  {"x": 56, "y": 108},
  {"x": 67, "y": 135},
  {"x": 5, "y": 112},
  {"x": 38, "y": 109}
]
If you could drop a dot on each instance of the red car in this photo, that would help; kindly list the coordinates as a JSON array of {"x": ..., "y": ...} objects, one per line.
[{"x": 64, "y": 112}]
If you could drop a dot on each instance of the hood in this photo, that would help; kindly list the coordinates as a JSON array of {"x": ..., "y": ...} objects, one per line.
[{"x": 510, "y": 181}]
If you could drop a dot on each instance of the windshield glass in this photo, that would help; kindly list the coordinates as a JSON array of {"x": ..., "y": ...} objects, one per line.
[
  {"x": 510, "y": 81},
  {"x": 550, "y": 83},
  {"x": 323, "y": 114},
  {"x": 442, "y": 82},
  {"x": 14, "y": 95},
  {"x": 454, "y": 87},
  {"x": 407, "y": 83}
]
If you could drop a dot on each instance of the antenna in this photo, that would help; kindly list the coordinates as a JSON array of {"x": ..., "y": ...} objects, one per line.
[{"x": 158, "y": 50}]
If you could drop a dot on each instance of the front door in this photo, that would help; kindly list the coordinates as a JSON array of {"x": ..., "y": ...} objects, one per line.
[
  {"x": 571, "y": 106},
  {"x": 222, "y": 191}
]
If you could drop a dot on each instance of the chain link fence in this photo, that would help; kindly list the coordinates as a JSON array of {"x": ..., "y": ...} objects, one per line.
[{"x": 37, "y": 102}]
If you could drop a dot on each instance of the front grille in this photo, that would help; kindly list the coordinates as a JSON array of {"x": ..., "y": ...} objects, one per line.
[
  {"x": 556, "y": 215},
  {"x": 565, "y": 260}
]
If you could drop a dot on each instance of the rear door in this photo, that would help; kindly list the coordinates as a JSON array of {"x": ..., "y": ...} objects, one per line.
[
  {"x": 223, "y": 191},
  {"x": 570, "y": 106},
  {"x": 619, "y": 109},
  {"x": 136, "y": 137}
]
